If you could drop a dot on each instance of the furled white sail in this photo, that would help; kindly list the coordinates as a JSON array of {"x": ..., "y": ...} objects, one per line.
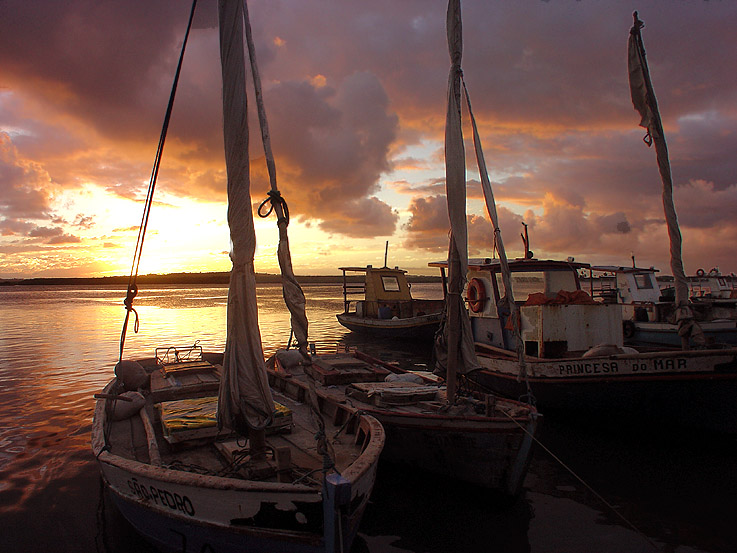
[
  {"x": 461, "y": 357},
  {"x": 244, "y": 395},
  {"x": 644, "y": 101}
]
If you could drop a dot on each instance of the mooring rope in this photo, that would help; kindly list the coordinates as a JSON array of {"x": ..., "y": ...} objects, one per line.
[{"x": 585, "y": 484}]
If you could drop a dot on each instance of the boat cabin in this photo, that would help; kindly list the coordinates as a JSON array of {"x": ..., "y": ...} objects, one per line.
[
  {"x": 627, "y": 285},
  {"x": 385, "y": 293},
  {"x": 712, "y": 285},
  {"x": 558, "y": 318}
]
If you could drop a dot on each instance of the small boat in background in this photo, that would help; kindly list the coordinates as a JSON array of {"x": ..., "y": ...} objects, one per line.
[
  {"x": 712, "y": 285},
  {"x": 649, "y": 313},
  {"x": 480, "y": 439},
  {"x": 387, "y": 308}
]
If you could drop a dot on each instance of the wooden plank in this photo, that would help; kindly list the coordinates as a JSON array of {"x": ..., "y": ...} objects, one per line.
[
  {"x": 186, "y": 367},
  {"x": 344, "y": 369},
  {"x": 154, "y": 456},
  {"x": 391, "y": 393}
]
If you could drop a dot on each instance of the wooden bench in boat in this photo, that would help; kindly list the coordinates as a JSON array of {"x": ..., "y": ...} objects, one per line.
[
  {"x": 339, "y": 368},
  {"x": 391, "y": 393},
  {"x": 184, "y": 380}
]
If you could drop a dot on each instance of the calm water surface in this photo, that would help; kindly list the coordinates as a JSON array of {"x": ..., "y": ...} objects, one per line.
[{"x": 58, "y": 346}]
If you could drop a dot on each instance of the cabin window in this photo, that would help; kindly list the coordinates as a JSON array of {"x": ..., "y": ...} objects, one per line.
[
  {"x": 390, "y": 283},
  {"x": 643, "y": 282},
  {"x": 722, "y": 282},
  {"x": 523, "y": 284}
]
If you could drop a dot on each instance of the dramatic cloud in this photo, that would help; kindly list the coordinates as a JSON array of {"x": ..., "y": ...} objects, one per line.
[
  {"x": 355, "y": 95},
  {"x": 24, "y": 188},
  {"x": 428, "y": 227}
]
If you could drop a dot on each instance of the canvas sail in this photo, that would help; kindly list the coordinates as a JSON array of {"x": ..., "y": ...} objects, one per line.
[
  {"x": 244, "y": 396},
  {"x": 644, "y": 101},
  {"x": 455, "y": 344},
  {"x": 508, "y": 300}
]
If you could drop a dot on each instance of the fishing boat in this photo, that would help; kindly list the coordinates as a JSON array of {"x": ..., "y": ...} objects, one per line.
[
  {"x": 649, "y": 314},
  {"x": 553, "y": 341},
  {"x": 575, "y": 356},
  {"x": 480, "y": 439},
  {"x": 187, "y": 486},
  {"x": 387, "y": 308},
  {"x": 437, "y": 426},
  {"x": 196, "y": 450}
]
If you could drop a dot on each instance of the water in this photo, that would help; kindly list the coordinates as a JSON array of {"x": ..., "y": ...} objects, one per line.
[{"x": 58, "y": 346}]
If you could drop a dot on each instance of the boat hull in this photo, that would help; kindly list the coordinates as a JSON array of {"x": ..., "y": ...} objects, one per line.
[
  {"x": 160, "y": 512},
  {"x": 419, "y": 328},
  {"x": 491, "y": 451},
  {"x": 715, "y": 332},
  {"x": 687, "y": 389},
  {"x": 179, "y": 510},
  {"x": 493, "y": 454}
]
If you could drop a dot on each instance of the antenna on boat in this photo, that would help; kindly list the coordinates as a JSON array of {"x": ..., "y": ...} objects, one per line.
[
  {"x": 526, "y": 242},
  {"x": 386, "y": 253},
  {"x": 633, "y": 260}
]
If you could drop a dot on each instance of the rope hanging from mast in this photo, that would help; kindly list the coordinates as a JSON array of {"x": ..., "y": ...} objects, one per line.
[
  {"x": 294, "y": 297},
  {"x": 508, "y": 300},
  {"x": 132, "y": 290}
]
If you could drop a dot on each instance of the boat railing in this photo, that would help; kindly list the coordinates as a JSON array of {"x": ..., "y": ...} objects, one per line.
[
  {"x": 178, "y": 354},
  {"x": 351, "y": 288}
]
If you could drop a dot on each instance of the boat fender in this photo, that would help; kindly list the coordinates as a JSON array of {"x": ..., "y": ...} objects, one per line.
[
  {"x": 601, "y": 350},
  {"x": 290, "y": 358},
  {"x": 131, "y": 374},
  {"x": 405, "y": 377},
  {"x": 476, "y": 295},
  {"x": 628, "y": 329},
  {"x": 700, "y": 272},
  {"x": 126, "y": 409}
]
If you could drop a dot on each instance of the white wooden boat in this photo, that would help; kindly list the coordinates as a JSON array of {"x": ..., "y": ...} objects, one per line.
[
  {"x": 649, "y": 317},
  {"x": 387, "y": 308},
  {"x": 198, "y": 453},
  {"x": 197, "y": 489},
  {"x": 576, "y": 360},
  {"x": 482, "y": 439}
]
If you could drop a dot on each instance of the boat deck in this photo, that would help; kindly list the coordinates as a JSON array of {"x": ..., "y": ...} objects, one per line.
[{"x": 292, "y": 451}]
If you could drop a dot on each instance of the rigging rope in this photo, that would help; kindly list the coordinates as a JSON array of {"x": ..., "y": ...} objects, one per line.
[
  {"x": 132, "y": 290},
  {"x": 293, "y": 295}
]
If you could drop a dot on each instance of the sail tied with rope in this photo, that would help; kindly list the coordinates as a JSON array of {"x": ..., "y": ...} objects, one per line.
[
  {"x": 644, "y": 101},
  {"x": 454, "y": 349}
]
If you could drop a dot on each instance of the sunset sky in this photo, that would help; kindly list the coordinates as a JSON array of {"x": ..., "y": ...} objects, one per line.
[{"x": 355, "y": 94}]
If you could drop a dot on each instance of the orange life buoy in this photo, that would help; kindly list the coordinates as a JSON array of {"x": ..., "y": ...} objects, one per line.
[{"x": 476, "y": 295}]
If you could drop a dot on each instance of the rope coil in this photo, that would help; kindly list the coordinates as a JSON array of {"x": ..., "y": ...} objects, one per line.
[{"x": 274, "y": 198}]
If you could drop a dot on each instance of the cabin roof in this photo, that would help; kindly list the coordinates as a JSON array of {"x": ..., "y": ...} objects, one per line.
[
  {"x": 369, "y": 268},
  {"x": 615, "y": 269},
  {"x": 517, "y": 264}
]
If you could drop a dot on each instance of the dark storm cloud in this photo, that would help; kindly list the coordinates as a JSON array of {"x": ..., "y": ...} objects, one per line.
[{"x": 351, "y": 87}]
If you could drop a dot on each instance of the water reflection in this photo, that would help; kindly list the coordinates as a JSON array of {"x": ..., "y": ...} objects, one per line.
[{"x": 59, "y": 346}]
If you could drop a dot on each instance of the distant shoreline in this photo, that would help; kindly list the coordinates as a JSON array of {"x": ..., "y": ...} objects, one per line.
[{"x": 192, "y": 278}]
